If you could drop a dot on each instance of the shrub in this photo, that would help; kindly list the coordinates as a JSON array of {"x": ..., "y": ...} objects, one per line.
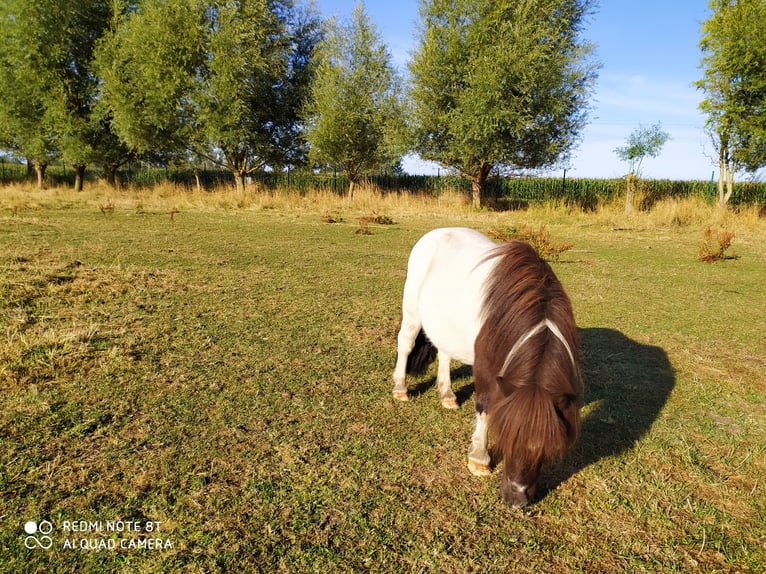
[
  {"x": 539, "y": 239},
  {"x": 714, "y": 246}
]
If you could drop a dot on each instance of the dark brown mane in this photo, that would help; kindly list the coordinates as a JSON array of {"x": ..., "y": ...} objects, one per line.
[{"x": 534, "y": 404}]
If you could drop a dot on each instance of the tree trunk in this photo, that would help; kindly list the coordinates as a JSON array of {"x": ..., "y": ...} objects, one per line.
[
  {"x": 729, "y": 185},
  {"x": 726, "y": 176},
  {"x": 477, "y": 184},
  {"x": 198, "y": 180},
  {"x": 351, "y": 187},
  {"x": 630, "y": 193},
  {"x": 239, "y": 182},
  {"x": 476, "y": 187},
  {"x": 110, "y": 174},
  {"x": 79, "y": 177},
  {"x": 40, "y": 171}
]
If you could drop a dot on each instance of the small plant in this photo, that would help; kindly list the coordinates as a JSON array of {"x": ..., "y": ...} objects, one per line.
[
  {"x": 377, "y": 220},
  {"x": 328, "y": 218},
  {"x": 363, "y": 229},
  {"x": 714, "y": 246},
  {"x": 539, "y": 239},
  {"x": 107, "y": 208}
]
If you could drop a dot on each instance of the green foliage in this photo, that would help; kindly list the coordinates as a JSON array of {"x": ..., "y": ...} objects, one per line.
[
  {"x": 220, "y": 80},
  {"x": 147, "y": 63},
  {"x": 354, "y": 111},
  {"x": 500, "y": 84},
  {"x": 47, "y": 79},
  {"x": 734, "y": 64},
  {"x": 643, "y": 142}
]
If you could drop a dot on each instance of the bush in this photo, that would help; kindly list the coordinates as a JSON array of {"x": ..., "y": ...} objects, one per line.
[
  {"x": 714, "y": 246},
  {"x": 539, "y": 239}
]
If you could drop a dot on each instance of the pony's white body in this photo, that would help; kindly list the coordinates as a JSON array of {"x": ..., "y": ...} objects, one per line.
[{"x": 447, "y": 269}]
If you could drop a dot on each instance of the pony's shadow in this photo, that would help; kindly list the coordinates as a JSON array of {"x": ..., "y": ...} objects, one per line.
[
  {"x": 626, "y": 386},
  {"x": 463, "y": 393}
]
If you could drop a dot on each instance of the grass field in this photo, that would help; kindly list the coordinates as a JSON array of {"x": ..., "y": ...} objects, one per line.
[{"x": 217, "y": 369}]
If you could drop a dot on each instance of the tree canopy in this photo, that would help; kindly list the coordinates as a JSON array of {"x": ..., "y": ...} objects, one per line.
[
  {"x": 643, "y": 142},
  {"x": 495, "y": 85},
  {"x": 354, "y": 112},
  {"x": 500, "y": 84},
  {"x": 218, "y": 79},
  {"x": 734, "y": 83},
  {"x": 48, "y": 82}
]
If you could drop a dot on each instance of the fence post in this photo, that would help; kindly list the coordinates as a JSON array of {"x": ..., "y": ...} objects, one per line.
[{"x": 564, "y": 184}]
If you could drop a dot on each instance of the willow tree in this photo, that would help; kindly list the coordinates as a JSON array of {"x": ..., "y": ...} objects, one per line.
[
  {"x": 354, "y": 113},
  {"x": 48, "y": 81},
  {"x": 215, "y": 79},
  {"x": 734, "y": 63},
  {"x": 500, "y": 84}
]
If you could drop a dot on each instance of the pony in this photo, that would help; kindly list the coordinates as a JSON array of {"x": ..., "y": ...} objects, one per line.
[{"x": 501, "y": 309}]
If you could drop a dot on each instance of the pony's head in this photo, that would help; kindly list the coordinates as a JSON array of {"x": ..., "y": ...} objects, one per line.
[
  {"x": 531, "y": 347},
  {"x": 533, "y": 427}
]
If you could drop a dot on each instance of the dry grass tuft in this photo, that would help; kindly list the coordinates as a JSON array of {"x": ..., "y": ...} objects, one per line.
[
  {"x": 540, "y": 239},
  {"x": 715, "y": 246}
]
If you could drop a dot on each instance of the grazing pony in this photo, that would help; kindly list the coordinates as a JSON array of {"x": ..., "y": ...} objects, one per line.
[{"x": 501, "y": 309}]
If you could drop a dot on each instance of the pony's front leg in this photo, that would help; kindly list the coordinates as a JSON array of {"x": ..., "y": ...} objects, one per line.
[
  {"x": 478, "y": 456},
  {"x": 444, "y": 382}
]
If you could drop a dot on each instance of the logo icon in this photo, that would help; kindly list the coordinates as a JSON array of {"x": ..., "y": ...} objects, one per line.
[{"x": 38, "y": 535}]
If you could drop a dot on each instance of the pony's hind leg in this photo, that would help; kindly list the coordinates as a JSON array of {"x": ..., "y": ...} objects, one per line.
[
  {"x": 478, "y": 456},
  {"x": 405, "y": 343},
  {"x": 444, "y": 382}
]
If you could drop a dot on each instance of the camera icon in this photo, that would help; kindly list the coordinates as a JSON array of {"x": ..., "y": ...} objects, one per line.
[{"x": 38, "y": 534}]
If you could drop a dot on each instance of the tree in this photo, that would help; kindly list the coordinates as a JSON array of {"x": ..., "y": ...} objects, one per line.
[
  {"x": 641, "y": 143},
  {"x": 734, "y": 63},
  {"x": 147, "y": 62},
  {"x": 354, "y": 108},
  {"x": 48, "y": 82},
  {"x": 223, "y": 80},
  {"x": 500, "y": 84}
]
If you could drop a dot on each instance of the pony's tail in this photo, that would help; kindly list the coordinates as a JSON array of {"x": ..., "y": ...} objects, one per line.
[
  {"x": 421, "y": 356},
  {"x": 527, "y": 423}
]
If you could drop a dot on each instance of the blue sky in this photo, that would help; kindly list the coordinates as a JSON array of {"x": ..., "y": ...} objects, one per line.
[{"x": 650, "y": 59}]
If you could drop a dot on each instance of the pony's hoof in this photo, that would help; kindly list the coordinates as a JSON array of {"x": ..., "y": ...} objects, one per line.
[
  {"x": 402, "y": 396},
  {"x": 449, "y": 404},
  {"x": 479, "y": 468}
]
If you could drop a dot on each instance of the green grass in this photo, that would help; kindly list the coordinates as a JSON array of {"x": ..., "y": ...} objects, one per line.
[{"x": 227, "y": 374}]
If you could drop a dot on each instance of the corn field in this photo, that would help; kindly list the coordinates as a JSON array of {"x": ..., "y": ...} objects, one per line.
[{"x": 506, "y": 191}]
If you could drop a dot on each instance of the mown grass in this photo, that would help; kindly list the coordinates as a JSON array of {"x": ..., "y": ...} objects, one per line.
[{"x": 226, "y": 372}]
